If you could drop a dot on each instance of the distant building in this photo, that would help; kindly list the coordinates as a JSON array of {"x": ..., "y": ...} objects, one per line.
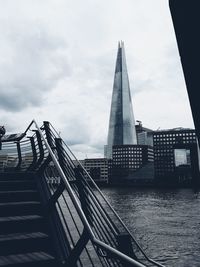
[
  {"x": 175, "y": 155},
  {"x": 144, "y": 135},
  {"x": 132, "y": 163},
  {"x": 122, "y": 124},
  {"x": 98, "y": 168}
]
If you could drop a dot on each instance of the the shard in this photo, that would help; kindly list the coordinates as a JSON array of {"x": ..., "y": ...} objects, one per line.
[{"x": 122, "y": 124}]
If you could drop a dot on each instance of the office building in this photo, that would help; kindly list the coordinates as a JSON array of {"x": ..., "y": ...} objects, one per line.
[
  {"x": 175, "y": 155},
  {"x": 98, "y": 168},
  {"x": 144, "y": 135},
  {"x": 132, "y": 164}
]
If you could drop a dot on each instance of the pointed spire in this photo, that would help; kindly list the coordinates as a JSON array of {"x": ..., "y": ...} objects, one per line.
[
  {"x": 119, "y": 44},
  {"x": 122, "y": 124}
]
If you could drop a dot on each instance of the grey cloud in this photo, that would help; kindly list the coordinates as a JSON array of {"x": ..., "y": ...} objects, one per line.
[
  {"x": 34, "y": 63},
  {"x": 84, "y": 151},
  {"x": 76, "y": 132},
  {"x": 62, "y": 54}
]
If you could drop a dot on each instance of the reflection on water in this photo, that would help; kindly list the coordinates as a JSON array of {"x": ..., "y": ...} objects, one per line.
[{"x": 166, "y": 223}]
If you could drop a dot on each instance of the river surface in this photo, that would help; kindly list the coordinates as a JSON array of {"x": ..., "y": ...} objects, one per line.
[{"x": 166, "y": 223}]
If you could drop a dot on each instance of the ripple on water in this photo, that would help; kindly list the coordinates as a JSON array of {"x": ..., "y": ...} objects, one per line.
[{"x": 166, "y": 223}]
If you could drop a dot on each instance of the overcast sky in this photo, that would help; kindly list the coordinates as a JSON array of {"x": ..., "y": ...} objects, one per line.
[{"x": 57, "y": 61}]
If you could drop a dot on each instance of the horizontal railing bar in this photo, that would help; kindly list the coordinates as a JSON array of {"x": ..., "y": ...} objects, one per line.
[{"x": 113, "y": 251}]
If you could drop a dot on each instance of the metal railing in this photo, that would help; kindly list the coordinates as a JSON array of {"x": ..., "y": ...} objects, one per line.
[{"x": 87, "y": 229}]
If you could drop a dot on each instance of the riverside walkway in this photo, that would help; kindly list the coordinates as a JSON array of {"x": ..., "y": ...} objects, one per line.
[{"x": 69, "y": 224}]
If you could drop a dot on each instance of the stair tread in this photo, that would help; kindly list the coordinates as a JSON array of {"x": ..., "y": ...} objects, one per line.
[
  {"x": 20, "y": 218},
  {"x": 25, "y": 258},
  {"x": 18, "y": 191},
  {"x": 17, "y": 181},
  {"x": 20, "y": 236},
  {"x": 19, "y": 203}
]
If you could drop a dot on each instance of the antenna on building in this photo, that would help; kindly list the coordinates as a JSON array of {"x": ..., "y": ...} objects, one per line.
[{"x": 139, "y": 122}]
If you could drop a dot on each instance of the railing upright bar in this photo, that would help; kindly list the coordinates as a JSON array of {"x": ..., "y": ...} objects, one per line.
[
  {"x": 66, "y": 161},
  {"x": 40, "y": 146},
  {"x": 19, "y": 155},
  {"x": 98, "y": 203},
  {"x": 59, "y": 148},
  {"x": 83, "y": 195},
  {"x": 48, "y": 133},
  {"x": 34, "y": 152},
  {"x": 75, "y": 224}
]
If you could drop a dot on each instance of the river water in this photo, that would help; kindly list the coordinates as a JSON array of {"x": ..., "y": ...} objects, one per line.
[{"x": 166, "y": 223}]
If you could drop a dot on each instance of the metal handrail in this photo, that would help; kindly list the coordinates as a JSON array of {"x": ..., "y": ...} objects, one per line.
[
  {"x": 80, "y": 212},
  {"x": 105, "y": 245},
  {"x": 110, "y": 206}
]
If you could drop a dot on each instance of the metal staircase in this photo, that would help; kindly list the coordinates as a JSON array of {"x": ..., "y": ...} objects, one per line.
[
  {"x": 69, "y": 223},
  {"x": 24, "y": 235}
]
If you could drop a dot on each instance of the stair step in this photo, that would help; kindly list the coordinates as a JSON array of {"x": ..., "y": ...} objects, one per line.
[
  {"x": 24, "y": 242},
  {"x": 20, "y": 208},
  {"x": 35, "y": 259},
  {"x": 19, "y": 195},
  {"x": 16, "y": 224},
  {"x": 16, "y": 176},
  {"x": 17, "y": 185}
]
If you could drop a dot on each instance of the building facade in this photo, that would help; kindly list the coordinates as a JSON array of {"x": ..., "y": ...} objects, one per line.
[
  {"x": 132, "y": 156},
  {"x": 144, "y": 135},
  {"x": 132, "y": 163},
  {"x": 98, "y": 168},
  {"x": 175, "y": 155}
]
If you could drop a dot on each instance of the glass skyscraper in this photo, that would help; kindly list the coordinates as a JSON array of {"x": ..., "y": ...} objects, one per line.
[{"x": 122, "y": 124}]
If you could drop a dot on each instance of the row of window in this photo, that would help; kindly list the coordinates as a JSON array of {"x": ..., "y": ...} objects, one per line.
[
  {"x": 158, "y": 166},
  {"x": 174, "y": 138},
  {"x": 127, "y": 156},
  {"x": 126, "y": 161},
  {"x": 123, "y": 160},
  {"x": 174, "y": 134},
  {"x": 95, "y": 165},
  {"x": 127, "y": 149},
  {"x": 129, "y": 166},
  {"x": 127, "y": 152},
  {"x": 167, "y": 141}
]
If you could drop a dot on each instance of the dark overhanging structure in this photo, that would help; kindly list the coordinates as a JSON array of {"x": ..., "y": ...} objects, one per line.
[{"x": 186, "y": 20}]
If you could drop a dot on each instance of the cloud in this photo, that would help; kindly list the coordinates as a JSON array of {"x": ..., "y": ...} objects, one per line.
[
  {"x": 57, "y": 61},
  {"x": 32, "y": 62}
]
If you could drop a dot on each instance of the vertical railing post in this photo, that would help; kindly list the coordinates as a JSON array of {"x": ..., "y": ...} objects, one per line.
[
  {"x": 125, "y": 246},
  {"x": 78, "y": 171},
  {"x": 74, "y": 254},
  {"x": 34, "y": 153},
  {"x": 41, "y": 149},
  {"x": 19, "y": 155},
  {"x": 82, "y": 193},
  {"x": 48, "y": 133},
  {"x": 60, "y": 150}
]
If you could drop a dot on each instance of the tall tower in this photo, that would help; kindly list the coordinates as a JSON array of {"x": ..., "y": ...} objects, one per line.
[{"x": 122, "y": 124}]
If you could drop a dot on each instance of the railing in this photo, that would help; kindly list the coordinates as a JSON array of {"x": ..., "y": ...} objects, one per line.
[{"x": 87, "y": 230}]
